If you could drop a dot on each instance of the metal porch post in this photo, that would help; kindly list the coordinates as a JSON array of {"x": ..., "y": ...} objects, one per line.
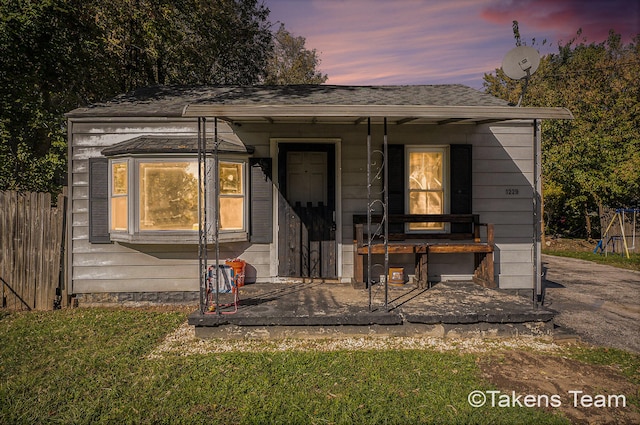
[
  {"x": 216, "y": 213},
  {"x": 369, "y": 211},
  {"x": 204, "y": 227},
  {"x": 385, "y": 217},
  {"x": 385, "y": 214},
  {"x": 537, "y": 213},
  {"x": 202, "y": 212}
]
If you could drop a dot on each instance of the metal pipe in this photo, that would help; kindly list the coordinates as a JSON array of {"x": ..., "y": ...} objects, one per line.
[
  {"x": 202, "y": 268},
  {"x": 216, "y": 210},
  {"x": 369, "y": 210},
  {"x": 385, "y": 163},
  {"x": 537, "y": 213}
]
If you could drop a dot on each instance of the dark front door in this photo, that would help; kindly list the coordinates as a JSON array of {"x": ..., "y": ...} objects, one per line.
[{"x": 306, "y": 236}]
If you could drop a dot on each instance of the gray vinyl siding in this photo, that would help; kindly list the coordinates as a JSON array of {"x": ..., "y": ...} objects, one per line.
[
  {"x": 116, "y": 267},
  {"x": 502, "y": 159},
  {"x": 503, "y": 195}
]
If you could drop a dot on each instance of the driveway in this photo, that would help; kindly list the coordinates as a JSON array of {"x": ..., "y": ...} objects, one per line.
[{"x": 600, "y": 304}]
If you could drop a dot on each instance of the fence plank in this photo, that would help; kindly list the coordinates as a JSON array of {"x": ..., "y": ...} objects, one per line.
[{"x": 32, "y": 236}]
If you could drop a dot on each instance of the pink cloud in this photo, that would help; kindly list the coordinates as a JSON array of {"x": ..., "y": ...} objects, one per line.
[
  {"x": 563, "y": 18},
  {"x": 434, "y": 42}
]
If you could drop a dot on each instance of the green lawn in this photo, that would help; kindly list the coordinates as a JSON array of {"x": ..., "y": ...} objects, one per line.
[
  {"x": 616, "y": 260},
  {"x": 90, "y": 366}
]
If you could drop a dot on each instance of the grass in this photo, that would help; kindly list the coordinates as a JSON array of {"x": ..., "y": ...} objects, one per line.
[
  {"x": 616, "y": 260},
  {"x": 627, "y": 363},
  {"x": 90, "y": 366}
]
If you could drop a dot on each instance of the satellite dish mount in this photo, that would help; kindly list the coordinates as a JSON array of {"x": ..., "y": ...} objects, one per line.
[{"x": 521, "y": 63}]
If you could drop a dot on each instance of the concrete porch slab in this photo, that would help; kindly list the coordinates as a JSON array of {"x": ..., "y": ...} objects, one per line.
[{"x": 294, "y": 309}]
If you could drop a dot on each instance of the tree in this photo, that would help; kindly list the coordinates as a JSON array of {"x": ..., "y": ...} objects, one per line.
[
  {"x": 56, "y": 55},
  {"x": 594, "y": 160},
  {"x": 291, "y": 62}
]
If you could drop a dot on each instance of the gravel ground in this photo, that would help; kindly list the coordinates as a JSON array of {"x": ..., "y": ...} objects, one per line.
[
  {"x": 182, "y": 342},
  {"x": 600, "y": 304}
]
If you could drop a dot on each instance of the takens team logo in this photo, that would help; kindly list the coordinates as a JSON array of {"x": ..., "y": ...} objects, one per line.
[{"x": 578, "y": 399}]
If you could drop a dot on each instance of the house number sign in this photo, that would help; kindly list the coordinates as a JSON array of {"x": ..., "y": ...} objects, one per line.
[{"x": 511, "y": 191}]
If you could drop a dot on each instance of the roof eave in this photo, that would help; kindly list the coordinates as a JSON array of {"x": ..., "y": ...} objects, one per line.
[{"x": 375, "y": 111}]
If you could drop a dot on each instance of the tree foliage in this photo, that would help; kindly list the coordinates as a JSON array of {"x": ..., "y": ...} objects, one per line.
[
  {"x": 56, "y": 55},
  {"x": 291, "y": 62},
  {"x": 593, "y": 160}
]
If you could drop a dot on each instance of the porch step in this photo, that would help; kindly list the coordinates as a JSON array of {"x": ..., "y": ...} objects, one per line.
[{"x": 362, "y": 318}]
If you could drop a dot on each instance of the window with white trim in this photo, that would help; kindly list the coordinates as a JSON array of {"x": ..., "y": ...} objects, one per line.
[
  {"x": 119, "y": 194},
  {"x": 232, "y": 195},
  {"x": 426, "y": 177},
  {"x": 155, "y": 199}
]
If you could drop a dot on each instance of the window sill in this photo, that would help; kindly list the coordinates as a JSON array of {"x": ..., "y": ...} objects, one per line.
[{"x": 175, "y": 237}]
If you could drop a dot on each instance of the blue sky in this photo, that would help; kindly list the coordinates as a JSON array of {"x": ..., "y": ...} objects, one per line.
[{"x": 373, "y": 42}]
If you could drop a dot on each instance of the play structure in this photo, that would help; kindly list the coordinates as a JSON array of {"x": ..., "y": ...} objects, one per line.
[{"x": 619, "y": 237}]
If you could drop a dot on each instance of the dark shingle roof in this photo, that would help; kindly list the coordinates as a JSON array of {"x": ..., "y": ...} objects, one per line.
[
  {"x": 173, "y": 144},
  {"x": 171, "y": 101}
]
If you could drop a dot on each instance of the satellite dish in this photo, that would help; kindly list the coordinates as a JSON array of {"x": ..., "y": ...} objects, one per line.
[{"x": 520, "y": 62}]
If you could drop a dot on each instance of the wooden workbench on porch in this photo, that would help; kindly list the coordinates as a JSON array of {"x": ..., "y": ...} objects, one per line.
[{"x": 466, "y": 238}]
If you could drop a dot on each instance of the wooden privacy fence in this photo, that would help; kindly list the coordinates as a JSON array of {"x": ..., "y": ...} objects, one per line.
[{"x": 31, "y": 265}]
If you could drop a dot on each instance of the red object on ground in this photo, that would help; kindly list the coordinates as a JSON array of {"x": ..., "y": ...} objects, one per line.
[{"x": 238, "y": 266}]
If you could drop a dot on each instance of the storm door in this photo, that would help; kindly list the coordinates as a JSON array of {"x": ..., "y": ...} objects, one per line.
[{"x": 307, "y": 230}]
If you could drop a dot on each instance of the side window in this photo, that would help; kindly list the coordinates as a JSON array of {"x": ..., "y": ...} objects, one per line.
[
  {"x": 232, "y": 195},
  {"x": 426, "y": 184},
  {"x": 457, "y": 191},
  {"x": 119, "y": 196}
]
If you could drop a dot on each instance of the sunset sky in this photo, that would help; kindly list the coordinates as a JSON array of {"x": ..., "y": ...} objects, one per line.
[{"x": 374, "y": 42}]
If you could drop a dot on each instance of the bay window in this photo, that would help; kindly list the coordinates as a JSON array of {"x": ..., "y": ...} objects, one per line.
[{"x": 155, "y": 200}]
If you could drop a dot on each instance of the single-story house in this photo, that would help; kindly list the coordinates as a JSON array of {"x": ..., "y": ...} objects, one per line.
[{"x": 301, "y": 157}]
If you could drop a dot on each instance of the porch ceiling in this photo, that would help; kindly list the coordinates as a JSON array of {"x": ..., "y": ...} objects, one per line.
[{"x": 358, "y": 114}]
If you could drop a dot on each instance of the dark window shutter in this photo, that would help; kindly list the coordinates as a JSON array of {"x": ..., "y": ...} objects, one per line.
[
  {"x": 99, "y": 200},
  {"x": 396, "y": 186},
  {"x": 460, "y": 185},
  {"x": 261, "y": 201}
]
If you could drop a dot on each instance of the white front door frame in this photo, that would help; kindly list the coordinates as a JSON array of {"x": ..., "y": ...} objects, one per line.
[{"x": 273, "y": 150}]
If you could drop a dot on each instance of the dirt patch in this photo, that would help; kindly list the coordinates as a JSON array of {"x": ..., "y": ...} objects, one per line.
[
  {"x": 575, "y": 245},
  {"x": 527, "y": 373}
]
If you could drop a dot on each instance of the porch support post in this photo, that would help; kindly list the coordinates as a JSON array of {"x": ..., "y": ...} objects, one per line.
[
  {"x": 202, "y": 213},
  {"x": 537, "y": 213},
  {"x": 385, "y": 217},
  {"x": 369, "y": 211},
  {"x": 216, "y": 212}
]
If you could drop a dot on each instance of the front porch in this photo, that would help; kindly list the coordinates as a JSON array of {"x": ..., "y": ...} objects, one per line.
[{"x": 315, "y": 309}]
